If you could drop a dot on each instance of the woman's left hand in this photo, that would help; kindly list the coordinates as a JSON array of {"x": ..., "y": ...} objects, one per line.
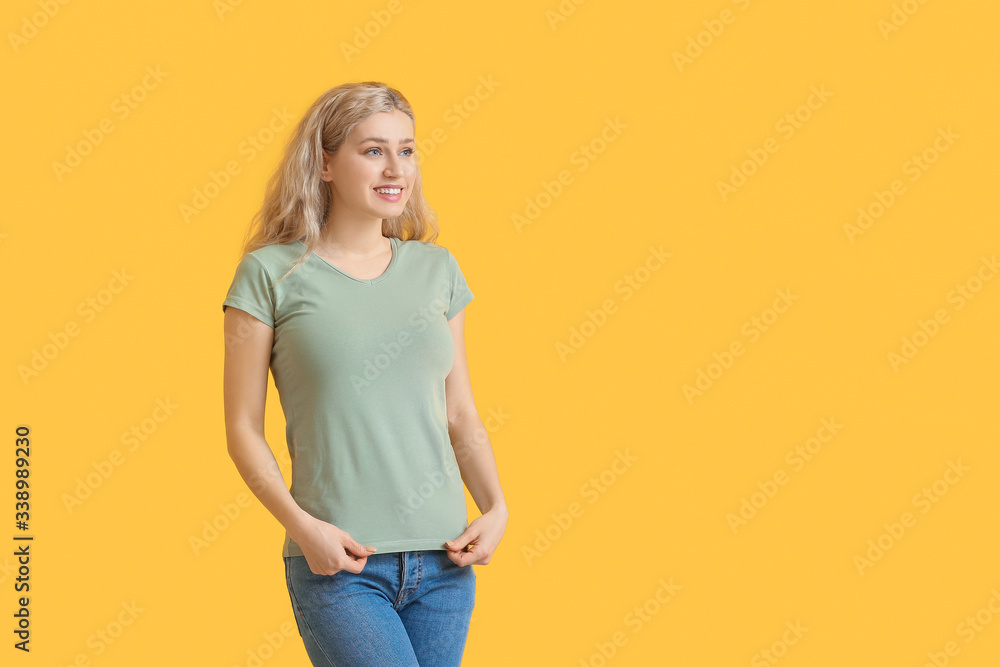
[{"x": 479, "y": 541}]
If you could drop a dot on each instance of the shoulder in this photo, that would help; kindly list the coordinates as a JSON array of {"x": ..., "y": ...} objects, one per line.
[
  {"x": 423, "y": 248},
  {"x": 425, "y": 253},
  {"x": 275, "y": 258}
]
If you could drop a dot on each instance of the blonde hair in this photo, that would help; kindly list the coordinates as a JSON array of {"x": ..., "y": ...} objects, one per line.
[{"x": 297, "y": 200}]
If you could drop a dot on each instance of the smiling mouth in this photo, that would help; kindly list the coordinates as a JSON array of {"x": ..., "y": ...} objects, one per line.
[{"x": 388, "y": 191}]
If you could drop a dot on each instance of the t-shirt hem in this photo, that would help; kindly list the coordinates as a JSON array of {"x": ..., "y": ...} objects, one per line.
[
  {"x": 292, "y": 549},
  {"x": 457, "y": 307},
  {"x": 237, "y": 302}
]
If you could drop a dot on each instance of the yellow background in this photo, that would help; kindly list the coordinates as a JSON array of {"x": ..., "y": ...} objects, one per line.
[{"x": 655, "y": 183}]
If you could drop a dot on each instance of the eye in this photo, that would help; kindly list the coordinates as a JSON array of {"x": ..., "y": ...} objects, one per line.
[
  {"x": 371, "y": 149},
  {"x": 409, "y": 149}
]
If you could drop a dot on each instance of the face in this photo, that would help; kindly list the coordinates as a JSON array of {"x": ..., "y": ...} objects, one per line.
[{"x": 379, "y": 152}]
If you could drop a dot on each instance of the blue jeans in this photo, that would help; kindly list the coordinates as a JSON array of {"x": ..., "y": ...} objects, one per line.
[{"x": 404, "y": 609}]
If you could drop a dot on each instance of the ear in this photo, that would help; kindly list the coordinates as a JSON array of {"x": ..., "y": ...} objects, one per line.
[{"x": 325, "y": 174}]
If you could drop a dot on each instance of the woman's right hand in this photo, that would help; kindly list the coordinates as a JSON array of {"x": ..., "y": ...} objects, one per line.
[{"x": 329, "y": 549}]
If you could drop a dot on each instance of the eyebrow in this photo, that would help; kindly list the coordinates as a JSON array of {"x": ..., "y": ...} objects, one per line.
[{"x": 383, "y": 140}]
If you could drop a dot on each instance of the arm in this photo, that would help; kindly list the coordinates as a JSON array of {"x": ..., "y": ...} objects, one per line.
[
  {"x": 248, "y": 353},
  {"x": 475, "y": 457}
]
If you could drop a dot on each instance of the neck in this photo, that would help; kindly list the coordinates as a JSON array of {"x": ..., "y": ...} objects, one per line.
[{"x": 353, "y": 240}]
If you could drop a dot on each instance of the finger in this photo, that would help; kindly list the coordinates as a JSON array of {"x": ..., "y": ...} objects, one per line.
[
  {"x": 355, "y": 566},
  {"x": 472, "y": 553},
  {"x": 462, "y": 541},
  {"x": 352, "y": 547},
  {"x": 464, "y": 558}
]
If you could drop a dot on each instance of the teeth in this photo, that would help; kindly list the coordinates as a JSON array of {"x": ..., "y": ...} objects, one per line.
[{"x": 389, "y": 191}]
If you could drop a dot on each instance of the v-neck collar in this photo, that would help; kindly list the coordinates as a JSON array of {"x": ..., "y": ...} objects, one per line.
[{"x": 393, "y": 243}]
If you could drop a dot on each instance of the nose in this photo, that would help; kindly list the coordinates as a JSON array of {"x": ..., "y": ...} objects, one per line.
[
  {"x": 394, "y": 166},
  {"x": 393, "y": 169}
]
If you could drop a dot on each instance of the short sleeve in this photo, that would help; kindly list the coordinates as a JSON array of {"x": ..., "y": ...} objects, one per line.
[
  {"x": 461, "y": 295},
  {"x": 251, "y": 290}
]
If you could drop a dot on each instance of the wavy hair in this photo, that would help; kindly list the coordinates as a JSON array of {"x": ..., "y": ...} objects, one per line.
[{"x": 297, "y": 200}]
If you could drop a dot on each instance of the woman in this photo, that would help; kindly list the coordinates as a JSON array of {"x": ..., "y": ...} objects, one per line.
[{"x": 362, "y": 326}]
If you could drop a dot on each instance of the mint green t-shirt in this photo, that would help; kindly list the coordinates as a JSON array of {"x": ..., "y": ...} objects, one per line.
[{"x": 360, "y": 366}]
